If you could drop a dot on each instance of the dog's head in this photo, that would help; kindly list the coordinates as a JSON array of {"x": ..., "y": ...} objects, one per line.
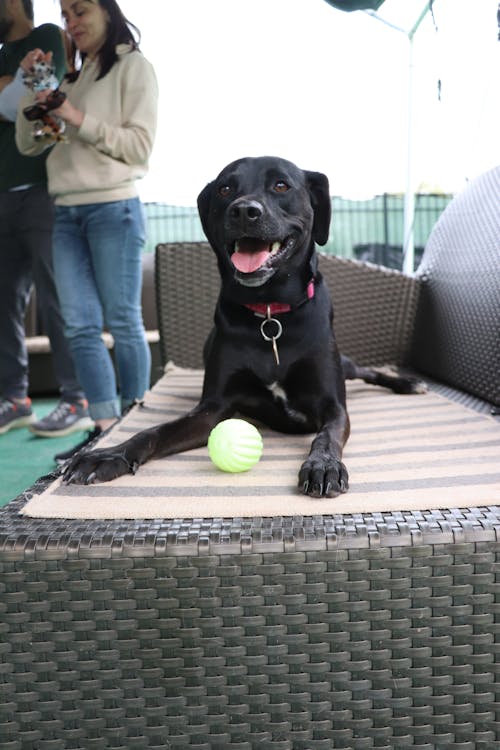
[
  {"x": 41, "y": 76},
  {"x": 262, "y": 216}
]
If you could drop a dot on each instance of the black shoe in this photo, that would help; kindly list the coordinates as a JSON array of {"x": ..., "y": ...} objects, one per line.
[{"x": 61, "y": 458}]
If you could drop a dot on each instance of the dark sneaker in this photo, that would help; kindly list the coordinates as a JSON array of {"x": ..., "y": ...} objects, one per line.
[
  {"x": 63, "y": 420},
  {"x": 61, "y": 458},
  {"x": 15, "y": 414}
]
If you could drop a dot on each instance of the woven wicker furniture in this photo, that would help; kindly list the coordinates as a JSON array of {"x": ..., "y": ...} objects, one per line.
[{"x": 289, "y": 633}]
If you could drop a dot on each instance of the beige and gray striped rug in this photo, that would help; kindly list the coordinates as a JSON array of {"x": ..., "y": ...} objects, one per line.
[{"x": 405, "y": 453}]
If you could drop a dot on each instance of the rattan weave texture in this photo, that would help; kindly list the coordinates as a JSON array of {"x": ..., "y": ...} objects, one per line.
[
  {"x": 458, "y": 321},
  {"x": 282, "y": 634},
  {"x": 374, "y": 310},
  {"x": 185, "y": 272},
  {"x": 375, "y": 307}
]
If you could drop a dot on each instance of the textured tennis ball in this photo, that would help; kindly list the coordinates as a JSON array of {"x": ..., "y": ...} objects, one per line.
[{"x": 235, "y": 445}]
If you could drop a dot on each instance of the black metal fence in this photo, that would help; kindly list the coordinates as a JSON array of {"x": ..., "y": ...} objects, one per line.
[{"x": 368, "y": 230}]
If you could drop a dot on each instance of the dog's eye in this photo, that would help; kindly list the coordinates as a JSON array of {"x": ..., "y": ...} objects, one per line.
[
  {"x": 281, "y": 186},
  {"x": 224, "y": 191}
]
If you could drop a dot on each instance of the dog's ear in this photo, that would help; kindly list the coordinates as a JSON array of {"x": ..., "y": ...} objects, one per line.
[
  {"x": 204, "y": 207},
  {"x": 319, "y": 190}
]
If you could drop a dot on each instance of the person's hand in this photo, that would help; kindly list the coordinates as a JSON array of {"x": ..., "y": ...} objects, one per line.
[
  {"x": 69, "y": 113},
  {"x": 41, "y": 96},
  {"x": 34, "y": 56},
  {"x": 66, "y": 111}
]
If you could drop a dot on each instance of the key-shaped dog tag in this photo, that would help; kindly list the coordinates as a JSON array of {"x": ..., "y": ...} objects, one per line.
[{"x": 269, "y": 321}]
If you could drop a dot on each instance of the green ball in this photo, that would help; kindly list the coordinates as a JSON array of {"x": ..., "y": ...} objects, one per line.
[{"x": 235, "y": 445}]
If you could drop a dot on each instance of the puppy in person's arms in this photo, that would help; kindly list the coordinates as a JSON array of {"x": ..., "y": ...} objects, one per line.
[{"x": 271, "y": 355}]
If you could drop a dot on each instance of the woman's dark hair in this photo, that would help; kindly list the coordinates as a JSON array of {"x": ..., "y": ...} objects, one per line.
[
  {"x": 120, "y": 31},
  {"x": 28, "y": 9}
]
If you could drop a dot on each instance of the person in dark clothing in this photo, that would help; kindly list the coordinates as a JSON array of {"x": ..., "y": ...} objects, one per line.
[{"x": 26, "y": 222}]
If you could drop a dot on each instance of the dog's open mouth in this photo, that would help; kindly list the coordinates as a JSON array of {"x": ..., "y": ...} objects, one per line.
[{"x": 251, "y": 254}]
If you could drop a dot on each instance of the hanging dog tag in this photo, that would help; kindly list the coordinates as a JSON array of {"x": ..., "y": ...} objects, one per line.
[{"x": 273, "y": 323}]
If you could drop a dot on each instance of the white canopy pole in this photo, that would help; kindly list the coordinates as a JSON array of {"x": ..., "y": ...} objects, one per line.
[
  {"x": 409, "y": 201},
  {"x": 409, "y": 204}
]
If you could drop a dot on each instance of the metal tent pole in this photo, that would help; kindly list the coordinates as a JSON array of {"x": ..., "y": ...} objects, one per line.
[{"x": 409, "y": 201}]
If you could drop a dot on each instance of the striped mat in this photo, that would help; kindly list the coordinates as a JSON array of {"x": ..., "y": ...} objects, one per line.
[{"x": 405, "y": 453}]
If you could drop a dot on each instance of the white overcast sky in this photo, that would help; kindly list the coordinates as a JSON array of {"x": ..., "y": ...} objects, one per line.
[{"x": 321, "y": 87}]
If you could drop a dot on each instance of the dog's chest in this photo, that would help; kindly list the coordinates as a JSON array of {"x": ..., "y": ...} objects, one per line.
[{"x": 279, "y": 394}]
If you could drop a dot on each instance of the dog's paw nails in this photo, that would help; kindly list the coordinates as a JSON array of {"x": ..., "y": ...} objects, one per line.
[
  {"x": 74, "y": 477},
  {"x": 325, "y": 477},
  {"x": 420, "y": 387},
  {"x": 317, "y": 490},
  {"x": 333, "y": 490},
  {"x": 410, "y": 386},
  {"x": 98, "y": 466}
]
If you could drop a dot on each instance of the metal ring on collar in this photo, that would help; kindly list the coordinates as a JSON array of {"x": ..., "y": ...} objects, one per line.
[{"x": 279, "y": 331}]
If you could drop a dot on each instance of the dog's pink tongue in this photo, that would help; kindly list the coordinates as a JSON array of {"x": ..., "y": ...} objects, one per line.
[{"x": 248, "y": 257}]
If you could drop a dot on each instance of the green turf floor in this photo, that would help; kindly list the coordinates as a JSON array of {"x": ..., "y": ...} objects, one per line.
[{"x": 24, "y": 457}]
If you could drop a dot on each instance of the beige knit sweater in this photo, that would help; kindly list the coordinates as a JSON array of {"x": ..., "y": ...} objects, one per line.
[{"x": 103, "y": 158}]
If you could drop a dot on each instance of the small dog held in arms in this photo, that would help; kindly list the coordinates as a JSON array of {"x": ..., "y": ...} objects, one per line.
[
  {"x": 271, "y": 355},
  {"x": 47, "y": 126}
]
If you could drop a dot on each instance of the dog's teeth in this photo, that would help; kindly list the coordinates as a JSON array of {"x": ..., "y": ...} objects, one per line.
[{"x": 275, "y": 247}]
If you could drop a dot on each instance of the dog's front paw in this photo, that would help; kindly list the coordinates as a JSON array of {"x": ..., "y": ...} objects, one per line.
[
  {"x": 323, "y": 477},
  {"x": 407, "y": 385},
  {"x": 97, "y": 466}
]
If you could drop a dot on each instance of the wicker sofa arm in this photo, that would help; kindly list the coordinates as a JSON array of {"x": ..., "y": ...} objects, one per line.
[
  {"x": 374, "y": 306},
  {"x": 457, "y": 337},
  {"x": 187, "y": 288},
  {"x": 374, "y": 309}
]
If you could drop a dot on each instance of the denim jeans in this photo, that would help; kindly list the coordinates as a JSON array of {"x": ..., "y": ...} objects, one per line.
[{"x": 98, "y": 269}]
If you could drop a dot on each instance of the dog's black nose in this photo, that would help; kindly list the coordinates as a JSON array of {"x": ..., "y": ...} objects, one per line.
[{"x": 245, "y": 210}]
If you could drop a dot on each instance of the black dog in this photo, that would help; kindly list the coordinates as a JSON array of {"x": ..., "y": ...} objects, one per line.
[{"x": 272, "y": 354}]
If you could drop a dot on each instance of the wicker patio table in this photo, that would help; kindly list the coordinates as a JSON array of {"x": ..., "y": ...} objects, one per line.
[{"x": 280, "y": 633}]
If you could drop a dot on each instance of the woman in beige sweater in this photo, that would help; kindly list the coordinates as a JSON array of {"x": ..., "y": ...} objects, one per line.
[{"x": 110, "y": 114}]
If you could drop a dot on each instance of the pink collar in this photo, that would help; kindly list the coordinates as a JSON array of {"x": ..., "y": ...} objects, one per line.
[{"x": 274, "y": 308}]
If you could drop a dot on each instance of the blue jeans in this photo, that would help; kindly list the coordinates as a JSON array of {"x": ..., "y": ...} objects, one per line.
[{"x": 98, "y": 269}]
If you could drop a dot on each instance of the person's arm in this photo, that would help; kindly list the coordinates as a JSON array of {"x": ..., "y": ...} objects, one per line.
[
  {"x": 25, "y": 142},
  {"x": 52, "y": 39},
  {"x": 133, "y": 141},
  {"x": 12, "y": 88},
  {"x": 10, "y": 95},
  {"x": 70, "y": 114}
]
